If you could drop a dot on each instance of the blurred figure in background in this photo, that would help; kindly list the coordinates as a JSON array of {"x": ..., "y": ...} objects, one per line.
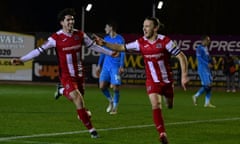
[
  {"x": 109, "y": 69},
  {"x": 205, "y": 64},
  {"x": 229, "y": 69}
]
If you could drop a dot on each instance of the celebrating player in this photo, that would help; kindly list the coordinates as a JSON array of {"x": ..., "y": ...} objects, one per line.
[
  {"x": 68, "y": 45},
  {"x": 156, "y": 50}
]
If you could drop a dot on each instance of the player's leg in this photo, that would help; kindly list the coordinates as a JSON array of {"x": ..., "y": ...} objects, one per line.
[
  {"x": 208, "y": 97},
  {"x": 74, "y": 94},
  {"x": 153, "y": 93},
  {"x": 78, "y": 100},
  {"x": 168, "y": 93},
  {"x": 115, "y": 82},
  {"x": 59, "y": 91},
  {"x": 208, "y": 89},
  {"x": 115, "y": 101},
  {"x": 158, "y": 117},
  {"x": 104, "y": 81},
  {"x": 201, "y": 90}
]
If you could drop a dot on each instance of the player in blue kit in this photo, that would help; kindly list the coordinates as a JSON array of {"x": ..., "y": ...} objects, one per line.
[
  {"x": 205, "y": 64},
  {"x": 109, "y": 69}
]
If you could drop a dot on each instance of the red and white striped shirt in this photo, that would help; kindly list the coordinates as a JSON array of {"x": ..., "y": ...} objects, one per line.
[
  {"x": 69, "y": 51},
  {"x": 156, "y": 57}
]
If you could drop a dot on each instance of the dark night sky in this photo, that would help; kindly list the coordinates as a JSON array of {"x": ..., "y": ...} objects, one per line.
[{"x": 179, "y": 16}]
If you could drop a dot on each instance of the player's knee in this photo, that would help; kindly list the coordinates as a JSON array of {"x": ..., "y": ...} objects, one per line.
[
  {"x": 116, "y": 88},
  {"x": 207, "y": 88}
]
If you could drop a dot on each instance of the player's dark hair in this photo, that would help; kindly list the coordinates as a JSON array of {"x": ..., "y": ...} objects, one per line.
[
  {"x": 64, "y": 12},
  {"x": 203, "y": 37},
  {"x": 156, "y": 22},
  {"x": 112, "y": 24}
]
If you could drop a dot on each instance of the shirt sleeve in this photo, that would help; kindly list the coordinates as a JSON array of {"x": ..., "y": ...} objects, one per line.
[
  {"x": 89, "y": 43},
  {"x": 172, "y": 48},
  {"x": 133, "y": 46},
  {"x": 36, "y": 52}
]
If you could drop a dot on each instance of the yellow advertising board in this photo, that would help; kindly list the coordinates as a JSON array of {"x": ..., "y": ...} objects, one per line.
[{"x": 14, "y": 45}]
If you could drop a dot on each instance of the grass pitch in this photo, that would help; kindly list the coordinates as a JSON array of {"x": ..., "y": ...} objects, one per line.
[{"x": 30, "y": 115}]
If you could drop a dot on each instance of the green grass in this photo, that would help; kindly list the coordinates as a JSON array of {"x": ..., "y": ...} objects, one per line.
[{"x": 30, "y": 115}]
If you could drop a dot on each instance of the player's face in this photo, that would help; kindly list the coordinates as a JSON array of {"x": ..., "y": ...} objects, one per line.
[
  {"x": 68, "y": 23},
  {"x": 148, "y": 29},
  {"x": 107, "y": 29},
  {"x": 207, "y": 41}
]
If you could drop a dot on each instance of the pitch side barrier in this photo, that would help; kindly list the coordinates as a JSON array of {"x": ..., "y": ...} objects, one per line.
[{"x": 44, "y": 68}]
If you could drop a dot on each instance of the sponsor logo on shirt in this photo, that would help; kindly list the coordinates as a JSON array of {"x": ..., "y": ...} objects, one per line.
[
  {"x": 158, "y": 45},
  {"x": 146, "y": 46},
  {"x": 64, "y": 39}
]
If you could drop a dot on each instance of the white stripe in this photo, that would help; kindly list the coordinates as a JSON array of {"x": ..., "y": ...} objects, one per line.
[
  {"x": 70, "y": 66},
  {"x": 153, "y": 71},
  {"x": 163, "y": 71},
  {"x": 117, "y": 128}
]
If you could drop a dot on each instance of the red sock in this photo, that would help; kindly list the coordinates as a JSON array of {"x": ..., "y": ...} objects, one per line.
[
  {"x": 158, "y": 120},
  {"x": 84, "y": 118}
]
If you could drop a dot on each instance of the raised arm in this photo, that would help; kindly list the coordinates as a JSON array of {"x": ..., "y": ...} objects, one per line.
[
  {"x": 89, "y": 43},
  {"x": 34, "y": 53},
  {"x": 115, "y": 47}
]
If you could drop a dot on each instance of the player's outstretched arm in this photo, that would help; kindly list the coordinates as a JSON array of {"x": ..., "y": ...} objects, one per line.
[{"x": 115, "y": 47}]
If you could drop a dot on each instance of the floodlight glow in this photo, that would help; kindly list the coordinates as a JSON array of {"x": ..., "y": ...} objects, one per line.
[
  {"x": 160, "y": 4},
  {"x": 89, "y": 7}
]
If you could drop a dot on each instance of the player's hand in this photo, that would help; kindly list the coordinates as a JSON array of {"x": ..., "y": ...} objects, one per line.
[
  {"x": 16, "y": 61},
  {"x": 121, "y": 70},
  {"x": 98, "y": 70},
  {"x": 98, "y": 40},
  {"x": 210, "y": 65},
  {"x": 115, "y": 54},
  {"x": 184, "y": 81}
]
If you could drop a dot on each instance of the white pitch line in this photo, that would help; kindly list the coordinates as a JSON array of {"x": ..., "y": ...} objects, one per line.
[{"x": 117, "y": 128}]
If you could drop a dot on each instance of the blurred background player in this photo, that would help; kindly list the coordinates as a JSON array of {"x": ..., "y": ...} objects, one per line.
[
  {"x": 205, "y": 65},
  {"x": 228, "y": 66},
  {"x": 109, "y": 69}
]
